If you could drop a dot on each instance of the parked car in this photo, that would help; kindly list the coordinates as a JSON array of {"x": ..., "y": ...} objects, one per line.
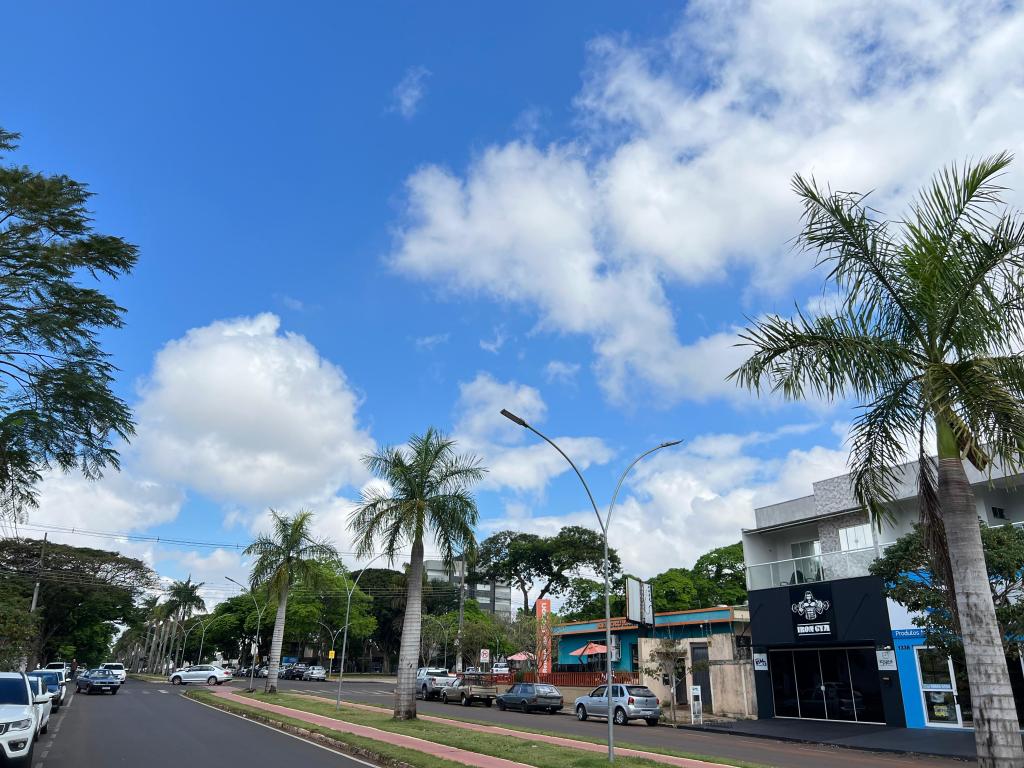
[
  {"x": 472, "y": 670},
  {"x": 469, "y": 689},
  {"x": 43, "y": 703},
  {"x": 500, "y": 668},
  {"x": 20, "y": 717},
  {"x": 629, "y": 702},
  {"x": 430, "y": 681},
  {"x": 295, "y": 671},
  {"x": 65, "y": 665},
  {"x": 529, "y": 697},
  {"x": 54, "y": 685},
  {"x": 97, "y": 681},
  {"x": 314, "y": 673},
  {"x": 117, "y": 668},
  {"x": 200, "y": 673},
  {"x": 262, "y": 671},
  {"x": 65, "y": 681}
]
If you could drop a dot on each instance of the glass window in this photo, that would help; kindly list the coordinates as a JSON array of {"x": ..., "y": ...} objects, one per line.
[
  {"x": 805, "y": 548},
  {"x": 598, "y": 692},
  {"x": 855, "y": 537},
  {"x": 639, "y": 690}
]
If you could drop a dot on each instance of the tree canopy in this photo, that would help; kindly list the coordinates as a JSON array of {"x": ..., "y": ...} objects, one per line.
[{"x": 57, "y": 407}]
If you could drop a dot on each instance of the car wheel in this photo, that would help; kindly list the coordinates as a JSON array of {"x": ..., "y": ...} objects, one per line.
[
  {"x": 175, "y": 680},
  {"x": 465, "y": 700},
  {"x": 552, "y": 711},
  {"x": 444, "y": 698},
  {"x": 423, "y": 693},
  {"x": 501, "y": 705},
  {"x": 620, "y": 717},
  {"x": 114, "y": 692},
  {"x": 45, "y": 728},
  {"x": 581, "y": 712},
  {"x": 211, "y": 680},
  {"x": 522, "y": 706},
  {"x": 488, "y": 702},
  {"x": 652, "y": 721},
  {"x": 77, "y": 689}
]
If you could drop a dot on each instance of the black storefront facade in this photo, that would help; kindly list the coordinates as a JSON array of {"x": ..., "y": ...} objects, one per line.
[{"x": 823, "y": 651}]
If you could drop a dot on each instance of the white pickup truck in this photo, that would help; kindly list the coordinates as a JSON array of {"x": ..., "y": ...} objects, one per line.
[{"x": 431, "y": 680}]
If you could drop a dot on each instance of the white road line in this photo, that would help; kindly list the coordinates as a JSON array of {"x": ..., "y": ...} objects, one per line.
[
  {"x": 162, "y": 690},
  {"x": 285, "y": 733}
]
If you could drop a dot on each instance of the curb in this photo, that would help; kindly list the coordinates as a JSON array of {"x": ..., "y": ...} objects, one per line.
[{"x": 308, "y": 735}]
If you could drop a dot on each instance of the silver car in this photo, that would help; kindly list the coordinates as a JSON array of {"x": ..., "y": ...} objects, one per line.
[
  {"x": 629, "y": 702},
  {"x": 200, "y": 673},
  {"x": 314, "y": 673}
]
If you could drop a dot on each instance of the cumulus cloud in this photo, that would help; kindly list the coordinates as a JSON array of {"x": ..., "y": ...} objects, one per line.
[
  {"x": 409, "y": 92},
  {"x": 680, "y": 174},
  {"x": 513, "y": 463}
]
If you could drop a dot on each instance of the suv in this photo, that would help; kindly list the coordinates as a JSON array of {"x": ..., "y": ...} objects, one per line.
[
  {"x": 430, "y": 681},
  {"x": 117, "y": 668},
  {"x": 19, "y": 718},
  {"x": 294, "y": 672}
]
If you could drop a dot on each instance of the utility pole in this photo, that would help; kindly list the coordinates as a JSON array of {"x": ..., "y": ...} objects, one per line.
[
  {"x": 42, "y": 560},
  {"x": 462, "y": 609}
]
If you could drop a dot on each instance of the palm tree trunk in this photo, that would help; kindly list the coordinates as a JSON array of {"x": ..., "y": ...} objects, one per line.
[
  {"x": 278, "y": 640},
  {"x": 409, "y": 651},
  {"x": 996, "y": 731}
]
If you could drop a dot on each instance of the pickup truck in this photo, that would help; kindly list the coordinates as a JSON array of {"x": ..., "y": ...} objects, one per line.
[
  {"x": 431, "y": 680},
  {"x": 470, "y": 688}
]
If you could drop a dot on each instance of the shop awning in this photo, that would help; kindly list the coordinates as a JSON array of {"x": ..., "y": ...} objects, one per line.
[
  {"x": 589, "y": 650},
  {"x": 522, "y": 656}
]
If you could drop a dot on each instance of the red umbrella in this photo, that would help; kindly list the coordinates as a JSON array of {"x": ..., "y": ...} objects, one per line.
[{"x": 590, "y": 649}]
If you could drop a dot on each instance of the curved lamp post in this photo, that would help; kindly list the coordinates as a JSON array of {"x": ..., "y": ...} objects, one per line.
[
  {"x": 259, "y": 621},
  {"x": 603, "y": 523},
  {"x": 196, "y": 623},
  {"x": 334, "y": 636},
  {"x": 445, "y": 630},
  {"x": 344, "y": 640}
]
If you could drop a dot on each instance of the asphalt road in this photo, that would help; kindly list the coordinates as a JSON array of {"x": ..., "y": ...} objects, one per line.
[
  {"x": 741, "y": 748},
  {"x": 152, "y": 726}
]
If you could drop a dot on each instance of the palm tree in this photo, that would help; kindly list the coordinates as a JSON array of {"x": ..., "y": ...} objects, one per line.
[
  {"x": 290, "y": 552},
  {"x": 927, "y": 336},
  {"x": 183, "y": 599},
  {"x": 427, "y": 494}
]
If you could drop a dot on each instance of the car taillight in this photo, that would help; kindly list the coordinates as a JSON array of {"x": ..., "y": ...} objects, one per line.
[{"x": 631, "y": 701}]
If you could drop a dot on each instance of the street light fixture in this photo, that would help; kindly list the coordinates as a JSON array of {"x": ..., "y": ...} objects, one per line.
[
  {"x": 334, "y": 636},
  {"x": 259, "y": 621},
  {"x": 603, "y": 523}
]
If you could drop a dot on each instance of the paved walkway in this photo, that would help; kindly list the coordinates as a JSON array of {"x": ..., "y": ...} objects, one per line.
[{"x": 455, "y": 754}]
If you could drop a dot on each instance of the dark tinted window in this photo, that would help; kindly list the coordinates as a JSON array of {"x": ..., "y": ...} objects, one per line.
[
  {"x": 51, "y": 678},
  {"x": 527, "y": 690},
  {"x": 639, "y": 690},
  {"x": 13, "y": 690}
]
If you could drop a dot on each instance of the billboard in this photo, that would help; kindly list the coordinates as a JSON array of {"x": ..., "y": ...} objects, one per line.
[
  {"x": 639, "y": 601},
  {"x": 543, "y": 636}
]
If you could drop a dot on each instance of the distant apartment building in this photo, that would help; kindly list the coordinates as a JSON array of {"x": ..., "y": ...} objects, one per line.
[
  {"x": 492, "y": 596},
  {"x": 827, "y": 644}
]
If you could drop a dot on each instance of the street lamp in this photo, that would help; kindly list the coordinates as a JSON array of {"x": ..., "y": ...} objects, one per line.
[
  {"x": 197, "y": 623},
  {"x": 344, "y": 639},
  {"x": 259, "y": 620},
  {"x": 603, "y": 523},
  {"x": 334, "y": 636},
  {"x": 446, "y": 630}
]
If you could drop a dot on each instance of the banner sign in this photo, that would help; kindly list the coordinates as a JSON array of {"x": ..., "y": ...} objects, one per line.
[{"x": 543, "y": 636}]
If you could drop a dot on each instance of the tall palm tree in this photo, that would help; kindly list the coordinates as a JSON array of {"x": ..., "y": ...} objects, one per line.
[
  {"x": 183, "y": 599},
  {"x": 290, "y": 552},
  {"x": 427, "y": 495},
  {"x": 928, "y": 337}
]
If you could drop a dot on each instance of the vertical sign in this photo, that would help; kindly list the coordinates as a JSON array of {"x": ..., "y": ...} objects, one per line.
[
  {"x": 696, "y": 706},
  {"x": 543, "y": 636}
]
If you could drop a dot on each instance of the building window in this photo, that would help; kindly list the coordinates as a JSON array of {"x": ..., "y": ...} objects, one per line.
[
  {"x": 805, "y": 548},
  {"x": 855, "y": 537}
]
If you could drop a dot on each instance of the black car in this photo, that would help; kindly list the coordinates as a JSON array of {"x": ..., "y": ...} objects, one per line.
[
  {"x": 97, "y": 681},
  {"x": 529, "y": 697},
  {"x": 294, "y": 672}
]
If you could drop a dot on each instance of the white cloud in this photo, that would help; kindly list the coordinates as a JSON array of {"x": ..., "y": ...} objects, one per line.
[
  {"x": 511, "y": 462},
  {"x": 409, "y": 92},
  {"x": 688, "y": 500},
  {"x": 681, "y": 173},
  {"x": 494, "y": 345},
  {"x": 561, "y": 371},
  {"x": 429, "y": 342}
]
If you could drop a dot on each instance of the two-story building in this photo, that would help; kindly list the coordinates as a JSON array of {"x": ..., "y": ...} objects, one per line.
[{"x": 827, "y": 644}]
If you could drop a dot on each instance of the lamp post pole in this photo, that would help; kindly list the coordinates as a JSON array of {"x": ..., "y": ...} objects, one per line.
[
  {"x": 259, "y": 621},
  {"x": 446, "y": 631},
  {"x": 344, "y": 638},
  {"x": 202, "y": 637},
  {"x": 334, "y": 636},
  {"x": 603, "y": 523}
]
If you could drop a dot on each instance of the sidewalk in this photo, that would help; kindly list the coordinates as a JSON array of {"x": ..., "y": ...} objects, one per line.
[
  {"x": 465, "y": 757},
  {"x": 878, "y": 738}
]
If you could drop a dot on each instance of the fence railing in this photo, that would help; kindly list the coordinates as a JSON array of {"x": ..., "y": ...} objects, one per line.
[{"x": 806, "y": 570}]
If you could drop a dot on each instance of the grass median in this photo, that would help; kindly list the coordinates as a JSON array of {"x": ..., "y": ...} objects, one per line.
[{"x": 538, "y": 754}]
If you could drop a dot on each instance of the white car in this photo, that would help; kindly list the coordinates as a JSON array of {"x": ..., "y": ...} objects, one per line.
[
  {"x": 118, "y": 669},
  {"x": 200, "y": 673},
  {"x": 500, "y": 668},
  {"x": 20, "y": 720},
  {"x": 44, "y": 708}
]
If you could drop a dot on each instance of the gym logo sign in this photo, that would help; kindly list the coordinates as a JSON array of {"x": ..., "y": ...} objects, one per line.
[{"x": 812, "y": 611}]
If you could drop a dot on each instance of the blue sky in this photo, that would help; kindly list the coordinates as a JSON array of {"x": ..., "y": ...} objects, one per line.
[{"x": 359, "y": 220}]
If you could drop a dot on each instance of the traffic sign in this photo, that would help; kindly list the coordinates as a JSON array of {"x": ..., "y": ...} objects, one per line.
[
  {"x": 330, "y": 654},
  {"x": 485, "y": 655}
]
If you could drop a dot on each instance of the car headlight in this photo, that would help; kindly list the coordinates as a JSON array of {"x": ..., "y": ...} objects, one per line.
[{"x": 20, "y": 725}]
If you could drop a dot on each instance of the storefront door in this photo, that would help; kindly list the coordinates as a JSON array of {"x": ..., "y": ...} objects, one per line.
[
  {"x": 827, "y": 684},
  {"x": 938, "y": 688}
]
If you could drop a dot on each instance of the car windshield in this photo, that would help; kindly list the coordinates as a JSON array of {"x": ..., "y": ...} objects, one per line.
[
  {"x": 639, "y": 690},
  {"x": 51, "y": 678},
  {"x": 13, "y": 691},
  {"x": 113, "y": 666},
  {"x": 101, "y": 673},
  {"x": 546, "y": 689}
]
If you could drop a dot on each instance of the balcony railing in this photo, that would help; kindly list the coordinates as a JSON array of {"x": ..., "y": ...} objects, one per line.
[{"x": 806, "y": 570}]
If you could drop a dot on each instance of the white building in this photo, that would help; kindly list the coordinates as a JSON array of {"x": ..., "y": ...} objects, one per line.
[{"x": 492, "y": 596}]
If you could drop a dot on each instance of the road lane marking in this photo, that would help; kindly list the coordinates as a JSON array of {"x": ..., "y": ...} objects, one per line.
[{"x": 284, "y": 733}]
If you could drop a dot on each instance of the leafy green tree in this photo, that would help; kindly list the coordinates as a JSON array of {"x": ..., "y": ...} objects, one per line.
[
  {"x": 677, "y": 589},
  {"x": 182, "y": 601},
  {"x": 720, "y": 577},
  {"x": 910, "y": 580},
  {"x": 387, "y": 590},
  {"x": 289, "y": 553},
  {"x": 926, "y": 336},
  {"x": 17, "y": 629},
  {"x": 583, "y": 599},
  {"x": 56, "y": 403},
  {"x": 428, "y": 494},
  {"x": 545, "y": 563}
]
